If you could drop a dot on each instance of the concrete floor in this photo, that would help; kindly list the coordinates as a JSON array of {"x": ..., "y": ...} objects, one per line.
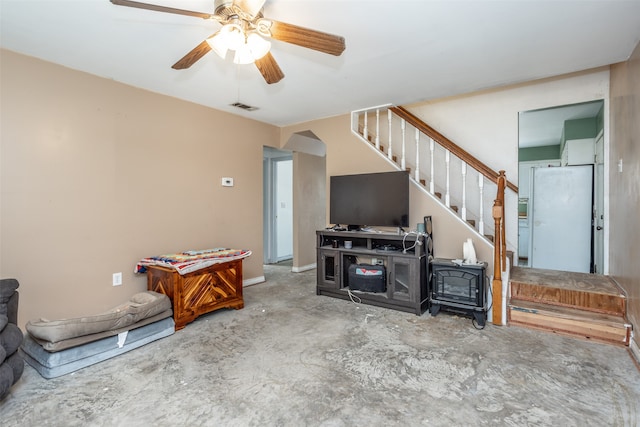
[{"x": 291, "y": 358}]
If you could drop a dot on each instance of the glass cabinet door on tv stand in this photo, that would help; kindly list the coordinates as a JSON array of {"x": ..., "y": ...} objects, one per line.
[{"x": 329, "y": 268}]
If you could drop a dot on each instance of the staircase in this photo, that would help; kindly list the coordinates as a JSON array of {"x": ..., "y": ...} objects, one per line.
[
  {"x": 582, "y": 305},
  {"x": 449, "y": 175},
  {"x": 439, "y": 167},
  {"x": 588, "y": 306}
]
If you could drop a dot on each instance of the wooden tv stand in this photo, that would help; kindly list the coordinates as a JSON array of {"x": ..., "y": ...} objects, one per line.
[
  {"x": 199, "y": 292},
  {"x": 406, "y": 272}
]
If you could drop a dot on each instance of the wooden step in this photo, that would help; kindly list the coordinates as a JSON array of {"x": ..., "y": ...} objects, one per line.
[
  {"x": 599, "y": 327},
  {"x": 361, "y": 133},
  {"x": 472, "y": 222},
  {"x": 423, "y": 182},
  {"x": 591, "y": 292}
]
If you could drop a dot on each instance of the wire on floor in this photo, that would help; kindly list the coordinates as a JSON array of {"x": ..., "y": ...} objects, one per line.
[{"x": 354, "y": 298}]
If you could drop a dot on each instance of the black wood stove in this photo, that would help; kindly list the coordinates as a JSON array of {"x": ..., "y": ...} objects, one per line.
[{"x": 459, "y": 287}]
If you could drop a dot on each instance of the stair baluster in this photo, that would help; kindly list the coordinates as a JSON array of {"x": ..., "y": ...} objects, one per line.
[
  {"x": 463, "y": 214},
  {"x": 447, "y": 193},
  {"x": 366, "y": 127},
  {"x": 403, "y": 127},
  {"x": 378, "y": 128},
  {"x": 432, "y": 188},
  {"x": 481, "y": 214},
  {"x": 417, "y": 174},
  {"x": 389, "y": 152}
]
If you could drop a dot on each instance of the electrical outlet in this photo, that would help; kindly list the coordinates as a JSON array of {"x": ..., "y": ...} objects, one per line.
[{"x": 117, "y": 279}]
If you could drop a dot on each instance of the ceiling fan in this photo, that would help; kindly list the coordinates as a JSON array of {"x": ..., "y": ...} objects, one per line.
[{"x": 244, "y": 30}]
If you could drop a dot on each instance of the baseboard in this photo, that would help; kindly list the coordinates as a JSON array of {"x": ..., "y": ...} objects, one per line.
[
  {"x": 253, "y": 281},
  {"x": 304, "y": 268}
]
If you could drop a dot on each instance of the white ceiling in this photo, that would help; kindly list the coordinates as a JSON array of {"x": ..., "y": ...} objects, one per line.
[
  {"x": 398, "y": 51},
  {"x": 544, "y": 127}
]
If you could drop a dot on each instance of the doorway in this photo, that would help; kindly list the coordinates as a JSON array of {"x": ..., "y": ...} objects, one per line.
[
  {"x": 566, "y": 137},
  {"x": 278, "y": 205}
]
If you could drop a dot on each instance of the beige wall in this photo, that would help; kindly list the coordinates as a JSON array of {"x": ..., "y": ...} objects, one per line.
[
  {"x": 625, "y": 186},
  {"x": 96, "y": 175},
  {"x": 309, "y": 201}
]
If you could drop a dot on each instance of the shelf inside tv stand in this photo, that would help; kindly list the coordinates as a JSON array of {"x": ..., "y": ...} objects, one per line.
[{"x": 402, "y": 256}]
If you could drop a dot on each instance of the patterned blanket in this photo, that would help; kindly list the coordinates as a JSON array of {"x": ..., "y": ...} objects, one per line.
[{"x": 186, "y": 262}]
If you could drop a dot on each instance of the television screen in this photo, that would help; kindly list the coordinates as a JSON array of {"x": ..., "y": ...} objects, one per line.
[{"x": 373, "y": 199}]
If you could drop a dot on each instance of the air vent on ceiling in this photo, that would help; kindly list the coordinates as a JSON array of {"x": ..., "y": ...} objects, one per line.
[{"x": 244, "y": 106}]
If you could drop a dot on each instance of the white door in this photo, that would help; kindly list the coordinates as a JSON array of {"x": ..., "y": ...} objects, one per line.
[
  {"x": 561, "y": 225},
  {"x": 283, "y": 205},
  {"x": 598, "y": 214},
  {"x": 277, "y": 204}
]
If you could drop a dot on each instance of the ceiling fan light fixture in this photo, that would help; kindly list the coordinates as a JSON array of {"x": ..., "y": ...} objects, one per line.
[
  {"x": 218, "y": 45},
  {"x": 243, "y": 55},
  {"x": 232, "y": 35},
  {"x": 259, "y": 47}
]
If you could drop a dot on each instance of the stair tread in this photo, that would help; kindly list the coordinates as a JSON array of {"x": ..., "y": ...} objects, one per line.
[
  {"x": 589, "y": 292},
  {"x": 579, "y": 282},
  {"x": 570, "y": 321},
  {"x": 566, "y": 312}
]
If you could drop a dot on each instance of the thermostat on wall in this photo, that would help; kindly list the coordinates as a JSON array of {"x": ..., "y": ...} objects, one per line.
[{"x": 227, "y": 182}]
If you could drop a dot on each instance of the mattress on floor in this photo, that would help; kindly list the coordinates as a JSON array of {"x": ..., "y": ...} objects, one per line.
[
  {"x": 139, "y": 307},
  {"x": 54, "y": 364}
]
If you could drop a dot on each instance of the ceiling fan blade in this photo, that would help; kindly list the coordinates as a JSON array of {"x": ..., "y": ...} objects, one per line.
[
  {"x": 269, "y": 69},
  {"x": 305, "y": 37},
  {"x": 158, "y": 8},
  {"x": 192, "y": 57},
  {"x": 252, "y": 7}
]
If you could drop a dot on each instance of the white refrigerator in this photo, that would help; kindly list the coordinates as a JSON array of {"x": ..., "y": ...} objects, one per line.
[{"x": 561, "y": 218}]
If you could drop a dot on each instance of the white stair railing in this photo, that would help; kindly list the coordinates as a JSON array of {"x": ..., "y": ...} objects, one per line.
[{"x": 441, "y": 165}]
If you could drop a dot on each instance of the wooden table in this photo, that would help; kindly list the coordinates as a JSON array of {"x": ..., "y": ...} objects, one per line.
[{"x": 199, "y": 292}]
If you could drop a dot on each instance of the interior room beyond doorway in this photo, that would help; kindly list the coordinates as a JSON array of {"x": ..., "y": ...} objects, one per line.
[{"x": 561, "y": 201}]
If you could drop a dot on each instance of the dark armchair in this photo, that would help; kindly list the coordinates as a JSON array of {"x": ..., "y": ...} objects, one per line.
[{"x": 11, "y": 363}]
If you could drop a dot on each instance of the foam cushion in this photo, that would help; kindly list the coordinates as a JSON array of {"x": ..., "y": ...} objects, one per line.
[
  {"x": 51, "y": 365},
  {"x": 139, "y": 307},
  {"x": 74, "y": 342}
]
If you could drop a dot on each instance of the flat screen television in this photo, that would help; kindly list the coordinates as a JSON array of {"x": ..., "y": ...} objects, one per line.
[{"x": 372, "y": 199}]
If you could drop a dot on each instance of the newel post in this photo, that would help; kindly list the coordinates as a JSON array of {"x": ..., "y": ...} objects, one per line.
[
  {"x": 497, "y": 265},
  {"x": 502, "y": 185}
]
